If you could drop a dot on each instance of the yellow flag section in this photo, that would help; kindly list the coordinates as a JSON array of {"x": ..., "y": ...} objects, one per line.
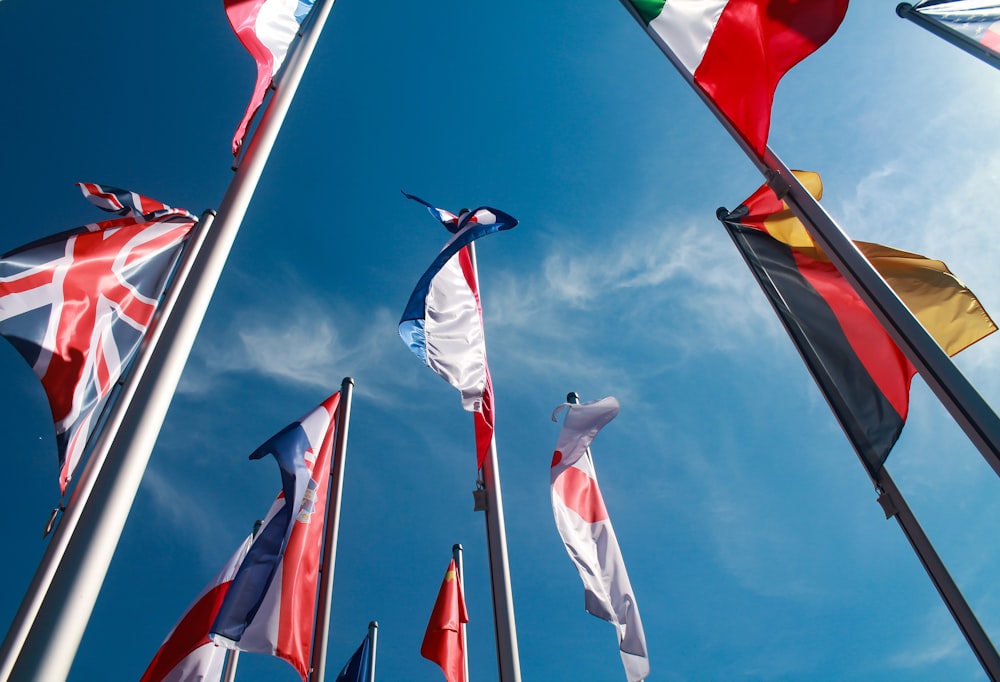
[{"x": 943, "y": 304}]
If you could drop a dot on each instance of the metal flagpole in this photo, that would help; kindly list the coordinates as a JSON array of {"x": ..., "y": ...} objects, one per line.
[
  {"x": 942, "y": 30},
  {"x": 893, "y": 504},
  {"x": 508, "y": 662},
  {"x": 456, "y": 554},
  {"x": 372, "y": 644},
  {"x": 979, "y": 422},
  {"x": 322, "y": 626},
  {"x": 51, "y": 643},
  {"x": 53, "y": 554}
]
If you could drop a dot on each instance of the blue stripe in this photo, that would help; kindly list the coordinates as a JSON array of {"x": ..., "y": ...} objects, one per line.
[{"x": 468, "y": 233}]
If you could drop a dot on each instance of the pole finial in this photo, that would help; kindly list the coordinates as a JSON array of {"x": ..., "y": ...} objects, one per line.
[{"x": 573, "y": 398}]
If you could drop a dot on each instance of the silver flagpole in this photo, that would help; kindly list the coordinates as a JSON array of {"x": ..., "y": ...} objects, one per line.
[
  {"x": 329, "y": 561},
  {"x": 952, "y": 388},
  {"x": 456, "y": 554},
  {"x": 945, "y": 32},
  {"x": 508, "y": 662},
  {"x": 32, "y": 600},
  {"x": 372, "y": 645},
  {"x": 54, "y": 637}
]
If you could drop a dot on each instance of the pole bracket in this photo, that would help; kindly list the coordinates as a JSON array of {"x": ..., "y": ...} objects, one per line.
[
  {"x": 777, "y": 183},
  {"x": 479, "y": 497},
  {"x": 886, "y": 503}
]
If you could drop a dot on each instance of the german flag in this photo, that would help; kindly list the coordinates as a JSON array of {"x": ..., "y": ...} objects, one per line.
[{"x": 860, "y": 370}]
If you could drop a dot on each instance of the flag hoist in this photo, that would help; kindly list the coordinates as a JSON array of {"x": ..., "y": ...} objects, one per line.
[
  {"x": 50, "y": 644},
  {"x": 766, "y": 38},
  {"x": 442, "y": 324}
]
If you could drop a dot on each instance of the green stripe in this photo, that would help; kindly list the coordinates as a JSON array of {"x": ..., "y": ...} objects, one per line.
[{"x": 648, "y": 9}]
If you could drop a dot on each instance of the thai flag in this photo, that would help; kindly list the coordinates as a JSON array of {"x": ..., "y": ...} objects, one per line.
[
  {"x": 266, "y": 28},
  {"x": 585, "y": 527},
  {"x": 76, "y": 305},
  {"x": 271, "y": 606},
  {"x": 443, "y": 323},
  {"x": 188, "y": 653}
]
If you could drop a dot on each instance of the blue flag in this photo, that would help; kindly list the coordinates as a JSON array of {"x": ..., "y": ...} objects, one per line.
[{"x": 357, "y": 669}]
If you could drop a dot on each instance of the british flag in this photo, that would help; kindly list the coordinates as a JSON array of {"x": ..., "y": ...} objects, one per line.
[{"x": 76, "y": 305}]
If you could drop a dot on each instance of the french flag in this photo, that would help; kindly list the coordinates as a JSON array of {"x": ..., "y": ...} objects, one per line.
[
  {"x": 271, "y": 606},
  {"x": 188, "y": 653},
  {"x": 266, "y": 28},
  {"x": 585, "y": 527},
  {"x": 443, "y": 322}
]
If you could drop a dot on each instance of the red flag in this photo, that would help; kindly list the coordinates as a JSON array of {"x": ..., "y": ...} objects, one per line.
[
  {"x": 443, "y": 639},
  {"x": 738, "y": 50}
]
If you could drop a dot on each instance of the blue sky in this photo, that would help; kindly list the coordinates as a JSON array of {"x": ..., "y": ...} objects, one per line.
[{"x": 751, "y": 532}]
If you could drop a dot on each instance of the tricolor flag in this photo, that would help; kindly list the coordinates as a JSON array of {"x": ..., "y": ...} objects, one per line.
[
  {"x": 188, "y": 653},
  {"x": 736, "y": 51},
  {"x": 271, "y": 605},
  {"x": 585, "y": 528},
  {"x": 443, "y": 637},
  {"x": 977, "y": 20},
  {"x": 77, "y": 304},
  {"x": 443, "y": 321},
  {"x": 860, "y": 370},
  {"x": 266, "y": 28}
]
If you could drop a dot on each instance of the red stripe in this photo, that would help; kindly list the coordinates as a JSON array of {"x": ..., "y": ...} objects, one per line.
[
  {"x": 189, "y": 634},
  {"x": 580, "y": 492},
  {"x": 754, "y": 44}
]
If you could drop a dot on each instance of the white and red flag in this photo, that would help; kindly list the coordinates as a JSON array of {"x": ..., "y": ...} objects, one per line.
[
  {"x": 443, "y": 320},
  {"x": 737, "y": 50},
  {"x": 77, "y": 304},
  {"x": 585, "y": 528},
  {"x": 271, "y": 606},
  {"x": 266, "y": 28},
  {"x": 188, "y": 653}
]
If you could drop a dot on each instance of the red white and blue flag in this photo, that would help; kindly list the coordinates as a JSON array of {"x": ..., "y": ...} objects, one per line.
[
  {"x": 188, "y": 653},
  {"x": 266, "y": 28},
  {"x": 977, "y": 19},
  {"x": 76, "y": 305},
  {"x": 443, "y": 320},
  {"x": 271, "y": 606},
  {"x": 585, "y": 527}
]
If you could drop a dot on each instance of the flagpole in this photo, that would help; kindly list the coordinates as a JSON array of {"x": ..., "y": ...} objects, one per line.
[
  {"x": 53, "y": 639},
  {"x": 947, "y": 33},
  {"x": 372, "y": 645},
  {"x": 508, "y": 663},
  {"x": 332, "y": 529},
  {"x": 56, "y": 548},
  {"x": 893, "y": 504},
  {"x": 975, "y": 417},
  {"x": 456, "y": 554}
]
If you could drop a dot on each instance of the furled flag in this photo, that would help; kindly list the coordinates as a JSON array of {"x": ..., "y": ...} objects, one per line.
[
  {"x": 737, "y": 50},
  {"x": 585, "y": 528},
  {"x": 443, "y": 320},
  {"x": 188, "y": 653},
  {"x": 76, "y": 305},
  {"x": 976, "y": 20},
  {"x": 861, "y": 371},
  {"x": 443, "y": 638},
  {"x": 271, "y": 605},
  {"x": 357, "y": 668},
  {"x": 266, "y": 28}
]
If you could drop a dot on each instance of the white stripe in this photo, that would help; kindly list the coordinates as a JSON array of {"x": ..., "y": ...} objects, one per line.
[
  {"x": 453, "y": 334},
  {"x": 686, "y": 26},
  {"x": 276, "y": 27}
]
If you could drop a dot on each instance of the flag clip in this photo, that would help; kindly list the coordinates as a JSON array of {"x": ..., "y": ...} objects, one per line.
[
  {"x": 479, "y": 498},
  {"x": 777, "y": 183},
  {"x": 886, "y": 502}
]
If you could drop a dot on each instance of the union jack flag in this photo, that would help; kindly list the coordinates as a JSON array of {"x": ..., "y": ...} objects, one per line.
[{"x": 76, "y": 305}]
